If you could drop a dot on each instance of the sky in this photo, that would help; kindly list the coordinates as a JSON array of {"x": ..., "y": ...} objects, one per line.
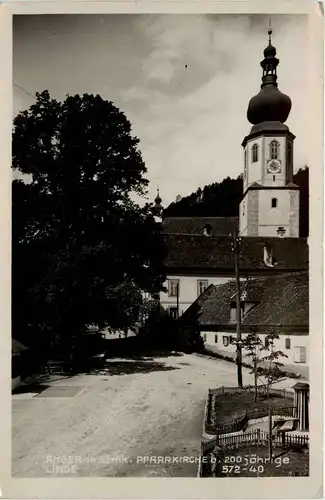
[{"x": 183, "y": 81}]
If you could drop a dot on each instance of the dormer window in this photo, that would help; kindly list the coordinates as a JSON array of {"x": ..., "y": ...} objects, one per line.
[
  {"x": 255, "y": 153},
  {"x": 233, "y": 311},
  {"x": 274, "y": 150}
]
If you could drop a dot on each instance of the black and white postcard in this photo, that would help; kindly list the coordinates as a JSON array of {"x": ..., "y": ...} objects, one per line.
[{"x": 162, "y": 250}]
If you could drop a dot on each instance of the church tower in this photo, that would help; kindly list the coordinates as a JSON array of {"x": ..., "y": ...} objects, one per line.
[{"x": 270, "y": 204}]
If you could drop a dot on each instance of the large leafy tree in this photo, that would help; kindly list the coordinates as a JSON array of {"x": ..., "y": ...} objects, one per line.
[{"x": 83, "y": 250}]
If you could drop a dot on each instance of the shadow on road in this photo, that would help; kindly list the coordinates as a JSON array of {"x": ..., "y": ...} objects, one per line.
[
  {"x": 131, "y": 367},
  {"x": 33, "y": 387}
]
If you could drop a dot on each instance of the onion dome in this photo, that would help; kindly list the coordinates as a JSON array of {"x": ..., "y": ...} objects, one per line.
[
  {"x": 158, "y": 200},
  {"x": 269, "y": 105},
  {"x": 158, "y": 208}
]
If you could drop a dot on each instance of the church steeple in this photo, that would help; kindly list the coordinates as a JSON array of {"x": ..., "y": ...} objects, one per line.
[
  {"x": 269, "y": 104},
  {"x": 269, "y": 63},
  {"x": 270, "y": 204},
  {"x": 158, "y": 208}
]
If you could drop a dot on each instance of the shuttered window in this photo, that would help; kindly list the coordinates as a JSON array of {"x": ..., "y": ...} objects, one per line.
[
  {"x": 202, "y": 285},
  {"x": 173, "y": 288},
  {"x": 288, "y": 343},
  {"x": 300, "y": 354}
]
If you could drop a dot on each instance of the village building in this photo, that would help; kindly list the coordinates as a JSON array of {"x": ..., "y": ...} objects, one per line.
[
  {"x": 200, "y": 261},
  {"x": 275, "y": 304}
]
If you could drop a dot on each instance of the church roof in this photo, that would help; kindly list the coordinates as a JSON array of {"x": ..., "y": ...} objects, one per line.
[
  {"x": 269, "y": 105},
  {"x": 283, "y": 301},
  {"x": 220, "y": 226},
  {"x": 193, "y": 253}
]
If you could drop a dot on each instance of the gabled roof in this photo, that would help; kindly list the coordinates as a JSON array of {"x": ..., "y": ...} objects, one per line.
[
  {"x": 220, "y": 226},
  {"x": 192, "y": 253},
  {"x": 283, "y": 301}
]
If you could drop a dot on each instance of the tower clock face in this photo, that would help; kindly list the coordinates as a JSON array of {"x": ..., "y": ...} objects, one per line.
[{"x": 274, "y": 166}]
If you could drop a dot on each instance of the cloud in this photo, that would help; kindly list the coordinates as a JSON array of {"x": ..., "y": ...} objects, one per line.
[{"x": 184, "y": 82}]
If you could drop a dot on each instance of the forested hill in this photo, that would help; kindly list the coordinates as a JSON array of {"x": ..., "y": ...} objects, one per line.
[{"x": 221, "y": 199}]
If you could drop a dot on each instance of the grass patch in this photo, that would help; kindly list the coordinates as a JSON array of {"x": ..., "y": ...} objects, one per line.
[{"x": 229, "y": 407}]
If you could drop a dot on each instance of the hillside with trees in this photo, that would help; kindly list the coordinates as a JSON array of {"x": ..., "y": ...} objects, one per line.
[{"x": 221, "y": 199}]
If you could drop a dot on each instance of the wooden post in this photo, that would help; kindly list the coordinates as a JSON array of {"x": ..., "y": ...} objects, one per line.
[
  {"x": 238, "y": 314},
  {"x": 270, "y": 434},
  {"x": 177, "y": 299}
]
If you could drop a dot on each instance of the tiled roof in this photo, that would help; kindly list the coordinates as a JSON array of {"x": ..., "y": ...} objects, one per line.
[
  {"x": 283, "y": 301},
  {"x": 191, "y": 253},
  {"x": 221, "y": 226}
]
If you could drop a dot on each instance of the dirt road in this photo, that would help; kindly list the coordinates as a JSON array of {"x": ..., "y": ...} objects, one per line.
[{"x": 120, "y": 420}]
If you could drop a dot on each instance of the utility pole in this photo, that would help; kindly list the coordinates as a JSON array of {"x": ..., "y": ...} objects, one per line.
[{"x": 236, "y": 243}]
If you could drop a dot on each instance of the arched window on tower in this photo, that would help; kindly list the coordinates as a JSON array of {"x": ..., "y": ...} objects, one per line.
[
  {"x": 255, "y": 153},
  {"x": 274, "y": 203},
  {"x": 274, "y": 150}
]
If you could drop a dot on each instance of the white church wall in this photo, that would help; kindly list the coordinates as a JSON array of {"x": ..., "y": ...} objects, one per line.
[
  {"x": 243, "y": 220},
  {"x": 271, "y": 218},
  {"x": 294, "y": 212},
  {"x": 254, "y": 169}
]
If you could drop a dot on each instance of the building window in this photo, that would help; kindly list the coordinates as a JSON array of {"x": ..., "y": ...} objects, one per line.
[
  {"x": 300, "y": 354},
  {"x": 267, "y": 342},
  {"x": 202, "y": 285},
  {"x": 225, "y": 341},
  {"x": 173, "y": 312},
  {"x": 274, "y": 150},
  {"x": 216, "y": 339},
  {"x": 288, "y": 343},
  {"x": 173, "y": 288},
  {"x": 274, "y": 202},
  {"x": 204, "y": 337},
  {"x": 255, "y": 153}
]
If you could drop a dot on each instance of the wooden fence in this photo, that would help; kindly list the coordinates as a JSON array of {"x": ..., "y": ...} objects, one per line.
[
  {"x": 256, "y": 437},
  {"x": 250, "y": 389}
]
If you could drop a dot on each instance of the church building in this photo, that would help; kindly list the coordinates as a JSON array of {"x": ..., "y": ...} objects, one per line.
[
  {"x": 200, "y": 250},
  {"x": 270, "y": 204}
]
